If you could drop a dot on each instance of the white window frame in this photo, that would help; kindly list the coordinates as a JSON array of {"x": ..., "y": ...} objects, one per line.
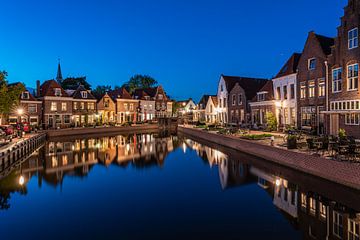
[
  {"x": 353, "y": 40},
  {"x": 321, "y": 87},
  {"x": 352, "y": 226},
  {"x": 27, "y": 94},
  {"x": 337, "y": 224},
  {"x": 309, "y": 63},
  {"x": 84, "y": 94},
  {"x": 303, "y": 90},
  {"x": 312, "y": 87},
  {"x": 351, "y": 78},
  {"x": 57, "y": 92},
  {"x": 64, "y": 106},
  {"x": 352, "y": 119},
  {"x": 337, "y": 82},
  {"x": 32, "y": 105},
  {"x": 53, "y": 106}
]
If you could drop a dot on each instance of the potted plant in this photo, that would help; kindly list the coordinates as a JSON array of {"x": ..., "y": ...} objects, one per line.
[{"x": 291, "y": 141}]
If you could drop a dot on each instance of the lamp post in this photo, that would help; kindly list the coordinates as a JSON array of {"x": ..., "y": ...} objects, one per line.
[{"x": 20, "y": 112}]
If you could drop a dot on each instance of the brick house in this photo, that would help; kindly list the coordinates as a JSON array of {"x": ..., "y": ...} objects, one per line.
[
  {"x": 30, "y": 107},
  {"x": 344, "y": 95},
  {"x": 84, "y": 106},
  {"x": 311, "y": 86},
  {"x": 106, "y": 109},
  {"x": 147, "y": 105},
  {"x": 261, "y": 104},
  {"x": 234, "y": 95},
  {"x": 127, "y": 108},
  {"x": 163, "y": 105},
  {"x": 285, "y": 83},
  {"x": 57, "y": 105}
]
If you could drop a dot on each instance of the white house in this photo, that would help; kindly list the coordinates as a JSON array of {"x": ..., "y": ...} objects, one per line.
[
  {"x": 211, "y": 110},
  {"x": 284, "y": 85}
]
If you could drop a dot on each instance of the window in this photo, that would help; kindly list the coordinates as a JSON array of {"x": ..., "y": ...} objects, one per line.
[
  {"x": 293, "y": 116},
  {"x": 352, "y": 119},
  {"x": 337, "y": 80},
  {"x": 84, "y": 94},
  {"x": 82, "y": 105},
  {"x": 286, "y": 116},
  {"x": 321, "y": 88},
  {"x": 126, "y": 107},
  {"x": 353, "y": 230},
  {"x": 240, "y": 99},
  {"x": 312, "y": 63},
  {"x": 278, "y": 93},
  {"x": 57, "y": 92},
  {"x": 233, "y": 99},
  {"x": 312, "y": 205},
  {"x": 353, "y": 76},
  {"x": 338, "y": 224},
  {"x": 32, "y": 108},
  {"x": 224, "y": 102},
  {"x": 221, "y": 88},
  {"x": 322, "y": 209},
  {"x": 131, "y": 107},
  {"x": 63, "y": 106},
  {"x": 303, "y": 200},
  {"x": 53, "y": 107},
  {"x": 353, "y": 41},
  {"x": 311, "y": 89},
  {"x": 285, "y": 92},
  {"x": 91, "y": 106},
  {"x": 160, "y": 96},
  {"x": 75, "y": 105},
  {"x": 292, "y": 91},
  {"x": 303, "y": 90},
  {"x": 25, "y": 95},
  {"x": 67, "y": 119},
  {"x": 261, "y": 97}
]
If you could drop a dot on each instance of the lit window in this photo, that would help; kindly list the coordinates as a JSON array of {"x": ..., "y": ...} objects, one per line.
[
  {"x": 312, "y": 63},
  {"x": 303, "y": 200},
  {"x": 312, "y": 205},
  {"x": 131, "y": 107},
  {"x": 338, "y": 224},
  {"x": 353, "y": 77},
  {"x": 353, "y": 230},
  {"x": 82, "y": 105},
  {"x": 322, "y": 209},
  {"x": 311, "y": 89},
  {"x": 353, "y": 41},
  {"x": 321, "y": 88},
  {"x": 75, "y": 105},
  {"x": 63, "y": 107},
  {"x": 53, "y": 106},
  {"x": 278, "y": 93},
  {"x": 303, "y": 90},
  {"x": 126, "y": 107},
  {"x": 337, "y": 80},
  {"x": 285, "y": 92}
]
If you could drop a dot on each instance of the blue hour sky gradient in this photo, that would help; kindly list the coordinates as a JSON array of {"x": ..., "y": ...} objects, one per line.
[{"x": 184, "y": 44}]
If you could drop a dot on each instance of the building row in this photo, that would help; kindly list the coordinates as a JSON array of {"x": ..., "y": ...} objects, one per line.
[
  {"x": 51, "y": 107},
  {"x": 316, "y": 90}
]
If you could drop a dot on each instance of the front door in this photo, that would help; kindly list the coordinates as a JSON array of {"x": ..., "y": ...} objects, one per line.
[
  {"x": 51, "y": 122},
  {"x": 334, "y": 124}
]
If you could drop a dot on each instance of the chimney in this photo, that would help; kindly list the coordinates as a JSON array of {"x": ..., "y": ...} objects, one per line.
[{"x": 37, "y": 88}]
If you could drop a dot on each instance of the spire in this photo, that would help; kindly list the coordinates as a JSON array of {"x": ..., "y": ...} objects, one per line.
[{"x": 59, "y": 77}]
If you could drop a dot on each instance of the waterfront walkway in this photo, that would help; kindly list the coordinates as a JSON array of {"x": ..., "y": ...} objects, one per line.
[{"x": 344, "y": 173}]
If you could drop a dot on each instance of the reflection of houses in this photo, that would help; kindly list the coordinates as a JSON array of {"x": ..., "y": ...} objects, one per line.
[
  {"x": 233, "y": 173},
  {"x": 286, "y": 196}
]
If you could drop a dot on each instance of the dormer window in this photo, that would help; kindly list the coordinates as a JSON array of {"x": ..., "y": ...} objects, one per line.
[
  {"x": 57, "y": 92},
  {"x": 261, "y": 96},
  {"x": 160, "y": 96},
  {"x": 25, "y": 95},
  {"x": 84, "y": 94},
  {"x": 312, "y": 64},
  {"x": 147, "y": 97},
  {"x": 353, "y": 38}
]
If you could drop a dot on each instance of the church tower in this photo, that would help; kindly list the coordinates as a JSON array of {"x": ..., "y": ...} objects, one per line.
[{"x": 59, "y": 77}]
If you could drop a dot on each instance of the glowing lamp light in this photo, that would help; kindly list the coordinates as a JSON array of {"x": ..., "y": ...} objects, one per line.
[
  {"x": 277, "y": 182},
  {"x": 21, "y": 180},
  {"x": 20, "y": 111}
]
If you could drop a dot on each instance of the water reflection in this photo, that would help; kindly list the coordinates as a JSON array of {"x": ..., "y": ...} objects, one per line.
[{"x": 309, "y": 206}]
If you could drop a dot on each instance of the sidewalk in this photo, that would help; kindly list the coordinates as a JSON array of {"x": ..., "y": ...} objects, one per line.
[{"x": 16, "y": 141}]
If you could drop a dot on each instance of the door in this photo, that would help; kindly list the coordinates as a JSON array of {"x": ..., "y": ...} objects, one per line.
[
  {"x": 334, "y": 124},
  {"x": 51, "y": 122}
]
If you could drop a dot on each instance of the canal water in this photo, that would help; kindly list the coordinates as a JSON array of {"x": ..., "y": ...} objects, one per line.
[{"x": 158, "y": 186}]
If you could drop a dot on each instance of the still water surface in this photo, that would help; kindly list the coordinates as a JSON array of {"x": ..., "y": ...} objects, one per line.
[{"x": 152, "y": 186}]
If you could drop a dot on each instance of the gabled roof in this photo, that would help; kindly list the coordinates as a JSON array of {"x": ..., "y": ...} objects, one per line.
[
  {"x": 152, "y": 92},
  {"x": 205, "y": 99},
  {"x": 326, "y": 43},
  {"x": 250, "y": 85},
  {"x": 140, "y": 94},
  {"x": 120, "y": 93},
  {"x": 47, "y": 89},
  {"x": 77, "y": 93},
  {"x": 269, "y": 88},
  {"x": 31, "y": 97},
  {"x": 290, "y": 66},
  {"x": 214, "y": 99}
]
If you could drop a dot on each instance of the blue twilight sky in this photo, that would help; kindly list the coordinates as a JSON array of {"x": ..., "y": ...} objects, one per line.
[{"x": 184, "y": 44}]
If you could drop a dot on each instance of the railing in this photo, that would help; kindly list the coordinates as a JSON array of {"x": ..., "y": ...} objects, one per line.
[{"x": 19, "y": 151}]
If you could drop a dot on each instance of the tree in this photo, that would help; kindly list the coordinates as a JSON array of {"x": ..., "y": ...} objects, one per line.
[
  {"x": 271, "y": 121},
  {"x": 101, "y": 90},
  {"x": 9, "y": 94},
  {"x": 140, "y": 81},
  {"x": 74, "y": 82}
]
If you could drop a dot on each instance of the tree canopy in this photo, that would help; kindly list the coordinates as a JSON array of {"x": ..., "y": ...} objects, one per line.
[
  {"x": 9, "y": 94},
  {"x": 74, "y": 82},
  {"x": 140, "y": 81},
  {"x": 101, "y": 90}
]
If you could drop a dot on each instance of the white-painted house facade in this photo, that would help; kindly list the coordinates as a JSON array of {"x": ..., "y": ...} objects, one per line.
[
  {"x": 285, "y": 94},
  {"x": 211, "y": 110},
  {"x": 222, "y": 95}
]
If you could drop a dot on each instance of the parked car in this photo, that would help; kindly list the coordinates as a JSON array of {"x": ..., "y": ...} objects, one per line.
[{"x": 8, "y": 129}]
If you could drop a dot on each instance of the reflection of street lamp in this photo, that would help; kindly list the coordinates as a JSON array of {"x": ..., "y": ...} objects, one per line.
[
  {"x": 21, "y": 180},
  {"x": 277, "y": 182}
]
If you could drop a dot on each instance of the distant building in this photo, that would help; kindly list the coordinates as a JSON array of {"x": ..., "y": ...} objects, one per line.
[
  {"x": 187, "y": 109},
  {"x": 211, "y": 110},
  {"x": 127, "y": 108},
  {"x": 106, "y": 109},
  {"x": 147, "y": 105},
  {"x": 199, "y": 113}
]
